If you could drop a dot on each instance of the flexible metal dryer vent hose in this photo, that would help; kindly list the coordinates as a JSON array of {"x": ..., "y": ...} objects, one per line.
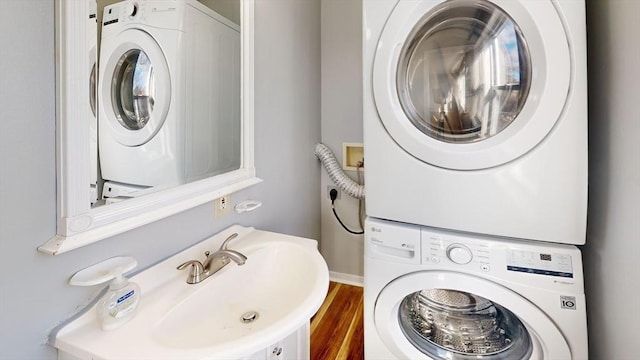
[{"x": 337, "y": 175}]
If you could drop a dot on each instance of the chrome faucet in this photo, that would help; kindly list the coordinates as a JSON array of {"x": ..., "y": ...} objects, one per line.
[{"x": 213, "y": 262}]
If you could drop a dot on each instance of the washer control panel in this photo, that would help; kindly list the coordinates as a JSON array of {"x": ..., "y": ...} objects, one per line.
[
  {"x": 436, "y": 249},
  {"x": 440, "y": 248},
  {"x": 459, "y": 254},
  {"x": 160, "y": 14},
  {"x": 456, "y": 250},
  {"x": 533, "y": 262}
]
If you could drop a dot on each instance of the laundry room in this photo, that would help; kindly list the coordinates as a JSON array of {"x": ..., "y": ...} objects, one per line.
[{"x": 564, "y": 230}]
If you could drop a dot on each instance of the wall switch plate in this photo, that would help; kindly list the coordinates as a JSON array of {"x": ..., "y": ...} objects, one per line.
[{"x": 221, "y": 206}]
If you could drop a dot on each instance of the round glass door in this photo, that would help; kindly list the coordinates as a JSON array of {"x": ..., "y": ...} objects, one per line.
[
  {"x": 93, "y": 89},
  {"x": 471, "y": 84},
  {"x": 133, "y": 89},
  {"x": 449, "y": 324},
  {"x": 456, "y": 316},
  {"x": 465, "y": 71}
]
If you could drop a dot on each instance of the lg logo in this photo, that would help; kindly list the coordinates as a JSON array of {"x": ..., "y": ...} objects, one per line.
[{"x": 568, "y": 302}]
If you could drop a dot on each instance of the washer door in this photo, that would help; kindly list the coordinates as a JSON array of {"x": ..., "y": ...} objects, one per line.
[
  {"x": 135, "y": 88},
  {"x": 447, "y": 315},
  {"x": 471, "y": 84}
]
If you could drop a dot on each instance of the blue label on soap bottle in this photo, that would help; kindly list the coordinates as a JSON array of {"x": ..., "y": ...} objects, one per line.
[{"x": 125, "y": 296}]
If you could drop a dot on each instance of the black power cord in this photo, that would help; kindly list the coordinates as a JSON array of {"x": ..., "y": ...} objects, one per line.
[{"x": 333, "y": 194}]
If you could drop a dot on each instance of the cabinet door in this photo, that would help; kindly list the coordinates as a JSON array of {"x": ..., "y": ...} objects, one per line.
[{"x": 293, "y": 347}]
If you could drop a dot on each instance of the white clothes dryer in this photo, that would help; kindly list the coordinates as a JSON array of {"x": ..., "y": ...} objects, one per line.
[
  {"x": 475, "y": 115},
  {"x": 431, "y": 294},
  {"x": 169, "y": 91}
]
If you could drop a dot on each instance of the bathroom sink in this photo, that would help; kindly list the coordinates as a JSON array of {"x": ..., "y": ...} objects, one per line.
[
  {"x": 270, "y": 290},
  {"x": 231, "y": 314}
]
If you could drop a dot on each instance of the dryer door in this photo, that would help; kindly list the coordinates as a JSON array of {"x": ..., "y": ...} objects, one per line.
[
  {"x": 471, "y": 84},
  {"x": 136, "y": 88},
  {"x": 447, "y": 315}
]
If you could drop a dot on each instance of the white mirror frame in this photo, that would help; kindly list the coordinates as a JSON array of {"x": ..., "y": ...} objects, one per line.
[{"x": 79, "y": 225}]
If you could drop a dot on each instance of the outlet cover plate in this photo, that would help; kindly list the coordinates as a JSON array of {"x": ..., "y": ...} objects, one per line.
[
  {"x": 329, "y": 188},
  {"x": 221, "y": 206}
]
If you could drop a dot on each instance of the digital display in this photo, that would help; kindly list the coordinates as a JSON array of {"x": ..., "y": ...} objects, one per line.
[{"x": 534, "y": 262}]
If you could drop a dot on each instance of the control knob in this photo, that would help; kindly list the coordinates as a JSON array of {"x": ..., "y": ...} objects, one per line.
[
  {"x": 131, "y": 9},
  {"x": 459, "y": 254}
]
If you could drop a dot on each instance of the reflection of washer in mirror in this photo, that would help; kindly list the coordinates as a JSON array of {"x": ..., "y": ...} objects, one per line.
[
  {"x": 133, "y": 89},
  {"x": 169, "y": 96},
  {"x": 93, "y": 78},
  {"x": 464, "y": 73},
  {"x": 92, "y": 34}
]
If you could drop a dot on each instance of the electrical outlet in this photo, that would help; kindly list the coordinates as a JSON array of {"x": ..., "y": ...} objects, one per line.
[
  {"x": 329, "y": 188},
  {"x": 221, "y": 206}
]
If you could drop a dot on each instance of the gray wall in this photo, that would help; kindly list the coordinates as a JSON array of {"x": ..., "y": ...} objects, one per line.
[
  {"x": 612, "y": 253},
  {"x": 34, "y": 293},
  {"x": 341, "y": 122}
]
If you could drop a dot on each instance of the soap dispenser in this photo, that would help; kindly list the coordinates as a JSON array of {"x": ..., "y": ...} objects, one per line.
[{"x": 118, "y": 305}]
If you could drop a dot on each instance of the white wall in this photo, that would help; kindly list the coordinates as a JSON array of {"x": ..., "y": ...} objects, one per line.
[
  {"x": 34, "y": 294},
  {"x": 612, "y": 253},
  {"x": 341, "y": 122}
]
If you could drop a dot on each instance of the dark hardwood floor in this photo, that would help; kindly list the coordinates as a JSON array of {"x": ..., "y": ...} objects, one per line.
[{"x": 337, "y": 328}]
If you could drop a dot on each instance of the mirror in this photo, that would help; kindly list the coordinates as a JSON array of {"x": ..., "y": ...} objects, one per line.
[{"x": 171, "y": 118}]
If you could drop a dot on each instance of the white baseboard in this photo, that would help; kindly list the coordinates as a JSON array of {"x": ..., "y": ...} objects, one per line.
[{"x": 346, "y": 278}]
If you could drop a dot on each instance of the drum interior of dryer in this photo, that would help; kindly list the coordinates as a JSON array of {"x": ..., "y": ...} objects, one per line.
[{"x": 448, "y": 324}]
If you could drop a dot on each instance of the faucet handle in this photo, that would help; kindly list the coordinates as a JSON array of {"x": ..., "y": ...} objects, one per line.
[
  {"x": 226, "y": 241},
  {"x": 195, "y": 271}
]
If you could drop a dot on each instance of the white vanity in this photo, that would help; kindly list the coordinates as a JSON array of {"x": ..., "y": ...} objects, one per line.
[{"x": 259, "y": 310}]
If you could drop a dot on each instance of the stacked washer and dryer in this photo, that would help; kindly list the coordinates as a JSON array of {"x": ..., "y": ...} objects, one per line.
[
  {"x": 475, "y": 130},
  {"x": 169, "y": 95}
]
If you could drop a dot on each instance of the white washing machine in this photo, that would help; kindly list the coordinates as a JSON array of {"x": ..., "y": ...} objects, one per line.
[
  {"x": 431, "y": 294},
  {"x": 169, "y": 91},
  {"x": 475, "y": 115}
]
